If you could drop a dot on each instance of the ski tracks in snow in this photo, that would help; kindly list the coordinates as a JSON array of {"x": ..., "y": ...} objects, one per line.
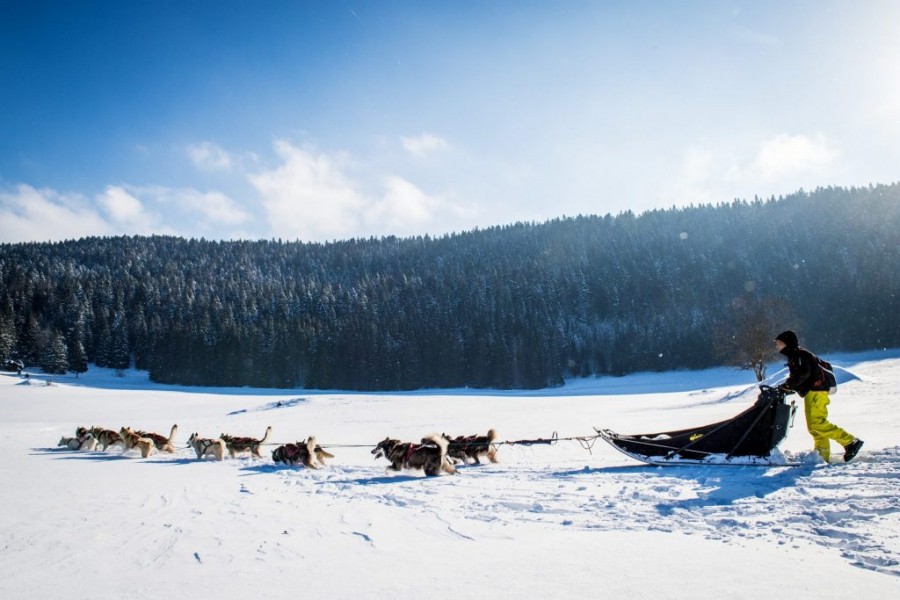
[{"x": 839, "y": 506}]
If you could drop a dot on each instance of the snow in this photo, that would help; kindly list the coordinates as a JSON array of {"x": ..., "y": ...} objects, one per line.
[{"x": 547, "y": 521}]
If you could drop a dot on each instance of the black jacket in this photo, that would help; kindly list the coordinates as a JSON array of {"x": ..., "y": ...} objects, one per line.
[{"x": 805, "y": 372}]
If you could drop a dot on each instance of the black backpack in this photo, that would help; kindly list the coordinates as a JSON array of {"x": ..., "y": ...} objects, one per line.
[{"x": 827, "y": 376}]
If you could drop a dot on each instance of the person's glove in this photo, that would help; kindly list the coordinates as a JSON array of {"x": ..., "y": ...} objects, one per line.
[{"x": 785, "y": 389}]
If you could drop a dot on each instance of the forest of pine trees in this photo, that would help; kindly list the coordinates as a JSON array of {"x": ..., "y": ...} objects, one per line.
[{"x": 519, "y": 306}]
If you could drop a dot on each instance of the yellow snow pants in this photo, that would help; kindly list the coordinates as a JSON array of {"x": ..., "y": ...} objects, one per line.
[{"x": 816, "y": 408}]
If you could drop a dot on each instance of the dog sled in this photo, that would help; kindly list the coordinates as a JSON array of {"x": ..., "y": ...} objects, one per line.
[{"x": 750, "y": 438}]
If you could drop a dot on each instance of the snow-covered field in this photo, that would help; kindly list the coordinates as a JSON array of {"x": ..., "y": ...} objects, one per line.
[{"x": 547, "y": 521}]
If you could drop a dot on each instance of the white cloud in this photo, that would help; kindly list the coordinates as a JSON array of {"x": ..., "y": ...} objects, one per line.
[
  {"x": 424, "y": 144},
  {"x": 404, "y": 209},
  {"x": 777, "y": 165},
  {"x": 125, "y": 211},
  {"x": 309, "y": 197},
  {"x": 312, "y": 196},
  {"x": 208, "y": 156},
  {"x": 407, "y": 210},
  {"x": 190, "y": 209},
  {"x": 29, "y": 214},
  {"x": 787, "y": 156},
  {"x": 702, "y": 176},
  {"x": 219, "y": 209}
]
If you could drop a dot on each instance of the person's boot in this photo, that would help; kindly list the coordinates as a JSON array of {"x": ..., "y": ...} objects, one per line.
[{"x": 851, "y": 449}]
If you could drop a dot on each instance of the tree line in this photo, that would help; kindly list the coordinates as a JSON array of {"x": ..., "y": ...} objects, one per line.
[{"x": 519, "y": 306}]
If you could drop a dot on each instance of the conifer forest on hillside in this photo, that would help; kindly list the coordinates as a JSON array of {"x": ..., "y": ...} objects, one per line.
[{"x": 518, "y": 306}]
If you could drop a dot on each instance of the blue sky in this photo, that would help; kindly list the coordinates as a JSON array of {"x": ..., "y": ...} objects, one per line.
[{"x": 331, "y": 120}]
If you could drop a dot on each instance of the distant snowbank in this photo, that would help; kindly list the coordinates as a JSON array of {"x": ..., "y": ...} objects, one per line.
[{"x": 634, "y": 383}]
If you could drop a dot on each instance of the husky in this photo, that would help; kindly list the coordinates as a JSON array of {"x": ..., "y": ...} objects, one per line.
[
  {"x": 430, "y": 455},
  {"x": 207, "y": 447},
  {"x": 85, "y": 438},
  {"x": 245, "y": 444},
  {"x": 69, "y": 442},
  {"x": 473, "y": 447},
  {"x": 162, "y": 443},
  {"x": 308, "y": 453},
  {"x": 132, "y": 440},
  {"x": 106, "y": 438},
  {"x": 83, "y": 441}
]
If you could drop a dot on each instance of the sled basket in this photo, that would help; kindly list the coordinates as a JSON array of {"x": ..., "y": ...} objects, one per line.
[{"x": 754, "y": 433}]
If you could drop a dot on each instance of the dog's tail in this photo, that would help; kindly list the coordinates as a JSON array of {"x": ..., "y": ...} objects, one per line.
[
  {"x": 492, "y": 435},
  {"x": 437, "y": 440},
  {"x": 266, "y": 436},
  {"x": 172, "y": 434},
  {"x": 311, "y": 452},
  {"x": 219, "y": 449},
  {"x": 443, "y": 444}
]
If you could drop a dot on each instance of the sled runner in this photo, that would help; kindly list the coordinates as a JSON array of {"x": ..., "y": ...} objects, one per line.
[{"x": 750, "y": 438}]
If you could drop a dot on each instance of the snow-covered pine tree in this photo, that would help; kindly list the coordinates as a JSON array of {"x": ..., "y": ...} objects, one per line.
[{"x": 55, "y": 359}]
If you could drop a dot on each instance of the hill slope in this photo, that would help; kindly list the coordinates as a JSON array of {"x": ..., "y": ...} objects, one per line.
[{"x": 524, "y": 306}]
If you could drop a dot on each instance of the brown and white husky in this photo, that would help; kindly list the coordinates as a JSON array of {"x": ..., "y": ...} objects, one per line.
[
  {"x": 207, "y": 446},
  {"x": 105, "y": 437},
  {"x": 133, "y": 440},
  {"x": 245, "y": 444},
  {"x": 162, "y": 443}
]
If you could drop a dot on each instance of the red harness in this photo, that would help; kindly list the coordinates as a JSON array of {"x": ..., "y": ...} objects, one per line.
[
  {"x": 409, "y": 453},
  {"x": 292, "y": 451},
  {"x": 469, "y": 441}
]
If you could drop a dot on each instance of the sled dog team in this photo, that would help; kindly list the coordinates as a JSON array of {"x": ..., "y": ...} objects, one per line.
[
  {"x": 435, "y": 454},
  {"x": 100, "y": 438}
]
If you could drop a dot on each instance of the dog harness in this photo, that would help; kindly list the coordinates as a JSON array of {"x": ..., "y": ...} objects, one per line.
[
  {"x": 112, "y": 435},
  {"x": 468, "y": 442},
  {"x": 291, "y": 451},
  {"x": 205, "y": 444},
  {"x": 243, "y": 441},
  {"x": 409, "y": 453}
]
